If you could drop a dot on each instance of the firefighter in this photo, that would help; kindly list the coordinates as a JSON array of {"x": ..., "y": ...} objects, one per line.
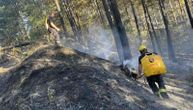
[
  {"x": 52, "y": 28},
  {"x": 152, "y": 66}
]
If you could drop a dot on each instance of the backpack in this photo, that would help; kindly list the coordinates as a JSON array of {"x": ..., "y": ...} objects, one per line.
[{"x": 153, "y": 65}]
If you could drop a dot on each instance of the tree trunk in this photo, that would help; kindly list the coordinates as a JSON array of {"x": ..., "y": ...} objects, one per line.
[
  {"x": 114, "y": 31},
  {"x": 72, "y": 21},
  {"x": 100, "y": 12},
  {"x": 171, "y": 52},
  {"x": 148, "y": 26},
  {"x": 158, "y": 42},
  {"x": 172, "y": 11},
  {"x": 136, "y": 21},
  {"x": 181, "y": 10},
  {"x": 57, "y": 2},
  {"x": 189, "y": 12},
  {"x": 78, "y": 26},
  {"x": 126, "y": 11},
  {"x": 120, "y": 29},
  {"x": 63, "y": 25},
  {"x": 125, "y": 7}
]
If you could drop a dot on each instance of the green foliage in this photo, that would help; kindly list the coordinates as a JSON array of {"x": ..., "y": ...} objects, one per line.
[{"x": 24, "y": 19}]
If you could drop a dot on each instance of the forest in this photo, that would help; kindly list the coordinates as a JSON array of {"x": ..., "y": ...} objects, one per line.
[
  {"x": 158, "y": 23},
  {"x": 97, "y": 35}
]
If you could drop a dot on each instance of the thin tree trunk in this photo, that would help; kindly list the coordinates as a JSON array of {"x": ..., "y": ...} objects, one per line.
[
  {"x": 189, "y": 12},
  {"x": 173, "y": 12},
  {"x": 156, "y": 21},
  {"x": 114, "y": 31},
  {"x": 58, "y": 2},
  {"x": 100, "y": 12},
  {"x": 136, "y": 21},
  {"x": 177, "y": 12},
  {"x": 153, "y": 29},
  {"x": 72, "y": 22},
  {"x": 181, "y": 10},
  {"x": 171, "y": 52},
  {"x": 148, "y": 26},
  {"x": 120, "y": 29},
  {"x": 126, "y": 10},
  {"x": 125, "y": 7},
  {"x": 78, "y": 26}
]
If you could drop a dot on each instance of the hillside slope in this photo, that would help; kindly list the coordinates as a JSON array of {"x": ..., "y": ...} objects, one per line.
[{"x": 65, "y": 79}]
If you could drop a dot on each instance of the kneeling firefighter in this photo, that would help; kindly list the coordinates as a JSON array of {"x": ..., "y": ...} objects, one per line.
[{"x": 152, "y": 65}]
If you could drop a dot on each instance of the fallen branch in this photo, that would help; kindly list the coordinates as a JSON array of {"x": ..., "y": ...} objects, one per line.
[{"x": 16, "y": 46}]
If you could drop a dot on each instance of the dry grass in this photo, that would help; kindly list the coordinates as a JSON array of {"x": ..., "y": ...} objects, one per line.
[
  {"x": 18, "y": 55},
  {"x": 68, "y": 51},
  {"x": 3, "y": 70}
]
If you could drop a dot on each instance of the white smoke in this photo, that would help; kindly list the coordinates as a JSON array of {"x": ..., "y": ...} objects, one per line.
[
  {"x": 99, "y": 42},
  {"x": 132, "y": 63}
]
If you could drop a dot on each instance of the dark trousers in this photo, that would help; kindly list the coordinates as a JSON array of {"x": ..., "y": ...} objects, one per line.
[{"x": 152, "y": 80}]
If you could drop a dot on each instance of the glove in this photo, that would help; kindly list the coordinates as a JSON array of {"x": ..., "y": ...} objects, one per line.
[
  {"x": 140, "y": 76},
  {"x": 134, "y": 75}
]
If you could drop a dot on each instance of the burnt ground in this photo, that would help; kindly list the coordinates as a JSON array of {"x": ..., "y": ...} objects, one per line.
[{"x": 64, "y": 79}]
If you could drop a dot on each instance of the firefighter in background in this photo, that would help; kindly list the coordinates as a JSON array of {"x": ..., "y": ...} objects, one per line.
[
  {"x": 52, "y": 28},
  {"x": 152, "y": 66}
]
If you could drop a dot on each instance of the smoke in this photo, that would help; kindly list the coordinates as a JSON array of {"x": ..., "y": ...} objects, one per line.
[
  {"x": 131, "y": 64},
  {"x": 98, "y": 42},
  {"x": 101, "y": 43}
]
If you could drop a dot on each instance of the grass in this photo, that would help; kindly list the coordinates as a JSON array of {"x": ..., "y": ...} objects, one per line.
[
  {"x": 3, "y": 70},
  {"x": 19, "y": 55}
]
